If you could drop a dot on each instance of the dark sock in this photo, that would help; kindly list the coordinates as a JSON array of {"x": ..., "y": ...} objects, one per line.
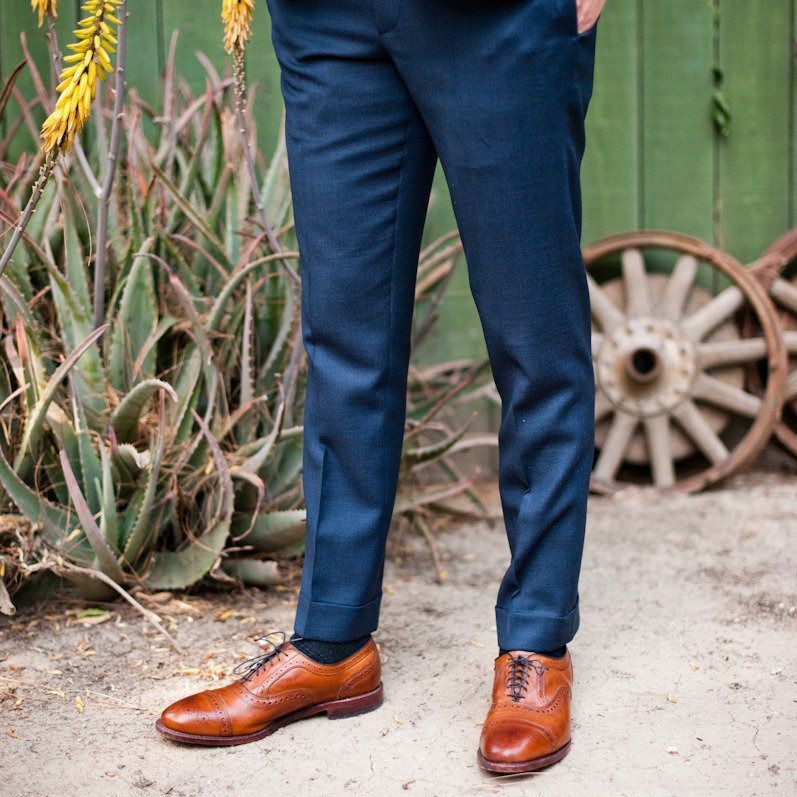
[
  {"x": 557, "y": 653},
  {"x": 327, "y": 652}
]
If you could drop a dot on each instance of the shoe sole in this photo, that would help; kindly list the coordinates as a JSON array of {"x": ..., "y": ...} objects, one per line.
[
  {"x": 334, "y": 709},
  {"x": 516, "y": 767}
]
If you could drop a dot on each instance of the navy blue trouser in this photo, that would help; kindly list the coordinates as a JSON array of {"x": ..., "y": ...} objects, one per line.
[{"x": 375, "y": 91}]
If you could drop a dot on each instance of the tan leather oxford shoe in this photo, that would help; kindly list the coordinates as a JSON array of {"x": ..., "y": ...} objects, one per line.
[
  {"x": 276, "y": 689},
  {"x": 528, "y": 724}
]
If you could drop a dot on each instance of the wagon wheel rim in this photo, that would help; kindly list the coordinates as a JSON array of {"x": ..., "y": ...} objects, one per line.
[
  {"x": 769, "y": 271},
  {"x": 661, "y": 358}
]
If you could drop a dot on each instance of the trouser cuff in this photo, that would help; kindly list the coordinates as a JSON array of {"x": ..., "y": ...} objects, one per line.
[
  {"x": 533, "y": 631},
  {"x": 331, "y": 622}
]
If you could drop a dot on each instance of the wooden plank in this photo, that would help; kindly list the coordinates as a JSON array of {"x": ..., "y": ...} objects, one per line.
[
  {"x": 754, "y": 182},
  {"x": 610, "y": 173},
  {"x": 677, "y": 132}
]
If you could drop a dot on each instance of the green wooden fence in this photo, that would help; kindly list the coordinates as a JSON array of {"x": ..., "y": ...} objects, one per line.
[{"x": 655, "y": 155}]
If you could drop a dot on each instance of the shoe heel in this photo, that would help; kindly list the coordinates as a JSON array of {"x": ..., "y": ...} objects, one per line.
[{"x": 351, "y": 706}]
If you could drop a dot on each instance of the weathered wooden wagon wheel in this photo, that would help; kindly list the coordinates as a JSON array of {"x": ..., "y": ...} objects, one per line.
[
  {"x": 670, "y": 360},
  {"x": 776, "y": 270}
]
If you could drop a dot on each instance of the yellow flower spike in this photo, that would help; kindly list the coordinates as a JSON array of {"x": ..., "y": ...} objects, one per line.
[
  {"x": 237, "y": 18},
  {"x": 89, "y": 62},
  {"x": 44, "y": 8}
]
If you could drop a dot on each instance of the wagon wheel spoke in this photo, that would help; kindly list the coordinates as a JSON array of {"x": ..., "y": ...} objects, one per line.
[
  {"x": 712, "y": 314},
  {"x": 784, "y": 293},
  {"x": 657, "y": 433},
  {"x": 697, "y": 427},
  {"x": 605, "y": 311},
  {"x": 791, "y": 342},
  {"x": 678, "y": 287},
  {"x": 730, "y": 352},
  {"x": 635, "y": 283},
  {"x": 615, "y": 445},
  {"x": 791, "y": 387},
  {"x": 597, "y": 342},
  {"x": 602, "y": 406},
  {"x": 726, "y": 396}
]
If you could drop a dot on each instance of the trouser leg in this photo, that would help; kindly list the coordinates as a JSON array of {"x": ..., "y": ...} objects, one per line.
[
  {"x": 503, "y": 89},
  {"x": 361, "y": 164}
]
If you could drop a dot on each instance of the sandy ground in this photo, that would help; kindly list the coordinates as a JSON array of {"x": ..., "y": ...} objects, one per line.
[{"x": 685, "y": 672}]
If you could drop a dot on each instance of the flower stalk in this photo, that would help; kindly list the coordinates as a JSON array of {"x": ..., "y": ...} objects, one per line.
[
  {"x": 45, "y": 171},
  {"x": 237, "y": 18},
  {"x": 110, "y": 170}
]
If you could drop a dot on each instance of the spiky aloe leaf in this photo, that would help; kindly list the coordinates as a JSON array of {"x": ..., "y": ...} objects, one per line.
[
  {"x": 272, "y": 530},
  {"x": 188, "y": 389},
  {"x": 275, "y": 194},
  {"x": 288, "y": 317},
  {"x": 292, "y": 551},
  {"x": 127, "y": 415},
  {"x": 130, "y": 461},
  {"x": 246, "y": 426},
  {"x": 135, "y": 321},
  {"x": 142, "y": 533},
  {"x": 71, "y": 298},
  {"x": 35, "y": 419},
  {"x": 129, "y": 517},
  {"x": 14, "y": 303},
  {"x": 26, "y": 362},
  {"x": 257, "y": 572},
  {"x": 90, "y": 469},
  {"x": 56, "y": 522},
  {"x": 281, "y": 472},
  {"x": 180, "y": 569},
  {"x": 255, "y": 462},
  {"x": 247, "y": 449},
  {"x": 109, "y": 520},
  {"x": 106, "y": 559},
  {"x": 190, "y": 212}
]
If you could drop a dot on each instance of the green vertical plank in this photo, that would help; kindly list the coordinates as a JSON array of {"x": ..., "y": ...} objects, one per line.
[
  {"x": 755, "y": 57},
  {"x": 610, "y": 174},
  {"x": 144, "y": 57},
  {"x": 793, "y": 120},
  {"x": 200, "y": 27},
  {"x": 677, "y": 132}
]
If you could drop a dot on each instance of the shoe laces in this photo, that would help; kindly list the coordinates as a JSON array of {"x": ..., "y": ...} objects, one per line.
[
  {"x": 272, "y": 651},
  {"x": 517, "y": 672}
]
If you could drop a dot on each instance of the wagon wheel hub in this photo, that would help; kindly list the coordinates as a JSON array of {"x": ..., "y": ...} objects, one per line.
[
  {"x": 645, "y": 366},
  {"x": 669, "y": 356}
]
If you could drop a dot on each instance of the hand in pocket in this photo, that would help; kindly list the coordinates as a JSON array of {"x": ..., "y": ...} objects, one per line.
[{"x": 588, "y": 12}]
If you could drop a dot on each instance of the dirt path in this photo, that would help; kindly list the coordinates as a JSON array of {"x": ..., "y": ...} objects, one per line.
[{"x": 685, "y": 672}]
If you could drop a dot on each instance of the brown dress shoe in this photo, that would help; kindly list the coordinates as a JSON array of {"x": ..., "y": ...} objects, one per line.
[
  {"x": 277, "y": 688},
  {"x": 528, "y": 724}
]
